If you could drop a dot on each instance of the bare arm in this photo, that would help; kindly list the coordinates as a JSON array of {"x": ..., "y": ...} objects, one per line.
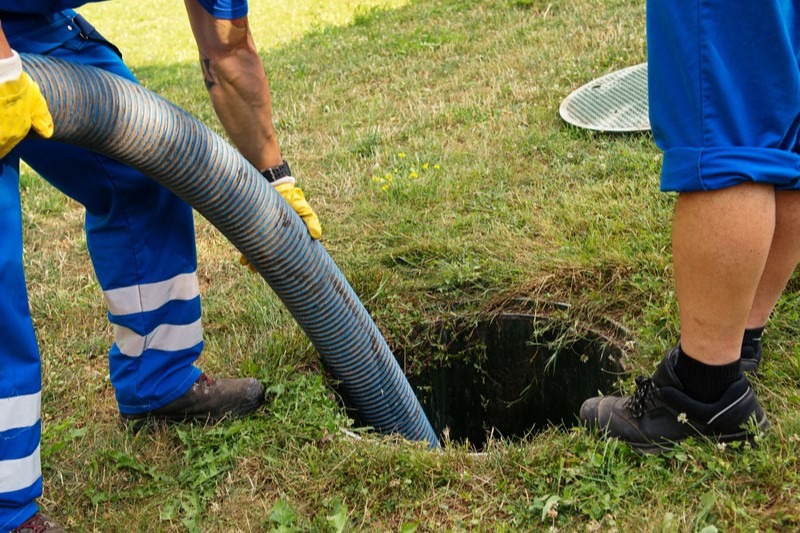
[
  {"x": 237, "y": 84},
  {"x": 239, "y": 90},
  {"x": 5, "y": 49}
]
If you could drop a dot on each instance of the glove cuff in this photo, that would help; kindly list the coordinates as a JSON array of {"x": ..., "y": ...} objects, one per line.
[
  {"x": 287, "y": 179},
  {"x": 10, "y": 68}
]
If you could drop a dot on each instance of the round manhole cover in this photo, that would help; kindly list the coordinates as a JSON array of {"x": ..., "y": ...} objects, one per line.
[{"x": 616, "y": 102}]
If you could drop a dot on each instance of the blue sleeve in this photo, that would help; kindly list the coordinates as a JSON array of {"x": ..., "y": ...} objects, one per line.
[{"x": 40, "y": 7}]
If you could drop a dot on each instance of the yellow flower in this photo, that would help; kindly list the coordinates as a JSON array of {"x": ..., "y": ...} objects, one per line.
[
  {"x": 401, "y": 155},
  {"x": 436, "y": 167},
  {"x": 413, "y": 175},
  {"x": 425, "y": 166}
]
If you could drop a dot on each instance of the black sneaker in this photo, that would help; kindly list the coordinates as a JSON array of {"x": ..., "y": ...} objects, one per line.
[
  {"x": 207, "y": 400},
  {"x": 751, "y": 357},
  {"x": 660, "y": 414},
  {"x": 39, "y": 523}
]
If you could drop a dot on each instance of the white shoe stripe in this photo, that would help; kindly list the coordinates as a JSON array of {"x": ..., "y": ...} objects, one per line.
[{"x": 731, "y": 406}]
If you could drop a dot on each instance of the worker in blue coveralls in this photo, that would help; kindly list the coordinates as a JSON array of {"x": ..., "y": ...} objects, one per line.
[
  {"x": 724, "y": 90},
  {"x": 140, "y": 236}
]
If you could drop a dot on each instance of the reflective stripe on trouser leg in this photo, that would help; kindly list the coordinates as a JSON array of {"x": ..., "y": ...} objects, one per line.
[
  {"x": 141, "y": 240},
  {"x": 20, "y": 370}
]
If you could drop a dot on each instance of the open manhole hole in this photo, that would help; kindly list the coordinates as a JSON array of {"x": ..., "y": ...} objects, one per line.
[{"x": 513, "y": 375}]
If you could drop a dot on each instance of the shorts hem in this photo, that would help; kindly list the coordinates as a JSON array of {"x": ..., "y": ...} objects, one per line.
[{"x": 689, "y": 169}]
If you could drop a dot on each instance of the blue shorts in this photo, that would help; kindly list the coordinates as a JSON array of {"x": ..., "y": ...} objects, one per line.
[
  {"x": 724, "y": 92},
  {"x": 225, "y": 9}
]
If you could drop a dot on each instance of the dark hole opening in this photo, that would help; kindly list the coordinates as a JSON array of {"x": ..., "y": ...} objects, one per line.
[{"x": 513, "y": 375}]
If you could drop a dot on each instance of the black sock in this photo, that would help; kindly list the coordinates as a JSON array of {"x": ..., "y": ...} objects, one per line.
[{"x": 705, "y": 383}]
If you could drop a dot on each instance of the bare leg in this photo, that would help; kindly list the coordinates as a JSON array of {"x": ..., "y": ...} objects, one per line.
[
  {"x": 237, "y": 84},
  {"x": 721, "y": 240},
  {"x": 783, "y": 257}
]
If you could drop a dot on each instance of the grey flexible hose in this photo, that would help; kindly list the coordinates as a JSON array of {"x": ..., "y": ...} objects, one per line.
[{"x": 125, "y": 121}]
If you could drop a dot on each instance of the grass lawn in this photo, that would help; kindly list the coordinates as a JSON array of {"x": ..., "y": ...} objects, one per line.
[{"x": 426, "y": 135}]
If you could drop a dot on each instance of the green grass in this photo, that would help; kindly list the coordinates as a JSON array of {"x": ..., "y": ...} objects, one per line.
[{"x": 513, "y": 210}]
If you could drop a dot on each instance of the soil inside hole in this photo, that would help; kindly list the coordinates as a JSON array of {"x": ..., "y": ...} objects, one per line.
[{"x": 513, "y": 375}]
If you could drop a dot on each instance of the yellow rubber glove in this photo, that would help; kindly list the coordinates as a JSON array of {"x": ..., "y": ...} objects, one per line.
[
  {"x": 22, "y": 106},
  {"x": 294, "y": 195}
]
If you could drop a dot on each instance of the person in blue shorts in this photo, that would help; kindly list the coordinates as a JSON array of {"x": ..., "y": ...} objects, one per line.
[
  {"x": 140, "y": 236},
  {"x": 725, "y": 108}
]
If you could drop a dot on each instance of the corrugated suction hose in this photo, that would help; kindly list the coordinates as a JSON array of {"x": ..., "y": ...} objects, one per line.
[{"x": 125, "y": 121}]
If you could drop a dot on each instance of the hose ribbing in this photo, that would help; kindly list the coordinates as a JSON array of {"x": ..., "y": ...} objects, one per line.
[{"x": 120, "y": 119}]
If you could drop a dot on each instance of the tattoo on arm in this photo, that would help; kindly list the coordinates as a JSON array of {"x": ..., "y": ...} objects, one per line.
[
  {"x": 208, "y": 78},
  {"x": 240, "y": 23}
]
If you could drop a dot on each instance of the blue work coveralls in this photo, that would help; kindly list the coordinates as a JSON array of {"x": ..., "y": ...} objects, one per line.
[{"x": 140, "y": 238}]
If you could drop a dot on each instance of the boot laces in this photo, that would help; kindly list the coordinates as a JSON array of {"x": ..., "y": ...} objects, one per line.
[
  {"x": 204, "y": 381},
  {"x": 639, "y": 400},
  {"x": 35, "y": 524}
]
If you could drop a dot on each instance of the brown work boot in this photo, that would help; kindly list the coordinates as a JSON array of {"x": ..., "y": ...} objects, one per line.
[
  {"x": 207, "y": 400},
  {"x": 38, "y": 523}
]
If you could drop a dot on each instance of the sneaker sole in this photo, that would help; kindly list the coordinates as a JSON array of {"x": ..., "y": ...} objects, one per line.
[{"x": 655, "y": 448}]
